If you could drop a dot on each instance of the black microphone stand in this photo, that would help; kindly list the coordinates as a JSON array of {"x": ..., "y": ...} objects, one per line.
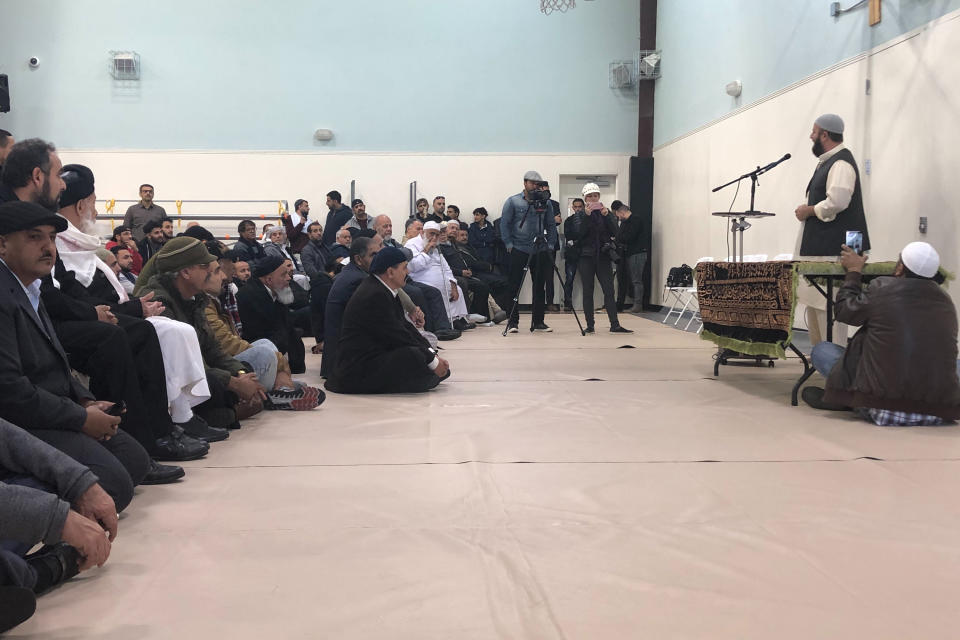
[{"x": 738, "y": 222}]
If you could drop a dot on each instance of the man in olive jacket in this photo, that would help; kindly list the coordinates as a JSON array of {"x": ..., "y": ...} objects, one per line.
[
  {"x": 901, "y": 366},
  {"x": 183, "y": 268}
]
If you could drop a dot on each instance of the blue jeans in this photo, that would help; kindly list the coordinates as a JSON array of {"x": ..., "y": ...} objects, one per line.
[
  {"x": 826, "y": 354},
  {"x": 262, "y": 356}
]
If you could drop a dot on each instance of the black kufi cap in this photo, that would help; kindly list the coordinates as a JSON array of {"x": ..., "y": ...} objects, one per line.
[{"x": 79, "y": 181}]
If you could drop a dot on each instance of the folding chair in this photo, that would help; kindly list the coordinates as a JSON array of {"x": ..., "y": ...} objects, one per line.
[{"x": 683, "y": 297}]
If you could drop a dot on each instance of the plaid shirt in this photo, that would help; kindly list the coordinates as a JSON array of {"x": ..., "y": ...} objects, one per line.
[
  {"x": 887, "y": 418},
  {"x": 229, "y": 302}
]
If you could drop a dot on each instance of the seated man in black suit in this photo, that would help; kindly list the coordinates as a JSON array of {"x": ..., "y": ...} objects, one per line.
[
  {"x": 88, "y": 329},
  {"x": 37, "y": 390},
  {"x": 264, "y": 313},
  {"x": 483, "y": 271},
  {"x": 362, "y": 251},
  {"x": 380, "y": 351}
]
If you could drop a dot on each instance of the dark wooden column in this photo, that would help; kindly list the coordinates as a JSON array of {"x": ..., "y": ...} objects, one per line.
[{"x": 648, "y": 40}]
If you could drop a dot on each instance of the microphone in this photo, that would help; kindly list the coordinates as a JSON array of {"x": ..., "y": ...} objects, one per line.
[{"x": 785, "y": 157}]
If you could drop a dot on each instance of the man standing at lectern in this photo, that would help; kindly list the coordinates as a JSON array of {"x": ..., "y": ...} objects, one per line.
[{"x": 834, "y": 206}]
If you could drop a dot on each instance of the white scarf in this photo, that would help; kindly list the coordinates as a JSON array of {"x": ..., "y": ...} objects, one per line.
[{"x": 78, "y": 251}]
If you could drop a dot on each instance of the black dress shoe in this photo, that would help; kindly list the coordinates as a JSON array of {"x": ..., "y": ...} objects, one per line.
[
  {"x": 462, "y": 324},
  {"x": 179, "y": 447},
  {"x": 54, "y": 565},
  {"x": 19, "y": 604},
  {"x": 619, "y": 329},
  {"x": 541, "y": 328},
  {"x": 162, "y": 473},
  {"x": 447, "y": 334},
  {"x": 813, "y": 396},
  {"x": 197, "y": 427},
  {"x": 589, "y": 330}
]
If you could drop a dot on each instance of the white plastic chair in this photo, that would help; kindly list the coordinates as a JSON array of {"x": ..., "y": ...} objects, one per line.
[
  {"x": 757, "y": 257},
  {"x": 782, "y": 256},
  {"x": 683, "y": 297}
]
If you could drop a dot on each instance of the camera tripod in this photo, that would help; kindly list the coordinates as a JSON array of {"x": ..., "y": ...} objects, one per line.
[{"x": 538, "y": 241}]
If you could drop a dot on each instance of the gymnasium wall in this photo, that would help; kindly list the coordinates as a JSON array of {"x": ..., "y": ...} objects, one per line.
[
  {"x": 906, "y": 127},
  {"x": 458, "y": 76}
]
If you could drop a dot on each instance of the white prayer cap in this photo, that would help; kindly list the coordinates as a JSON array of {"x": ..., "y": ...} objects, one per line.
[
  {"x": 921, "y": 258},
  {"x": 590, "y": 187},
  {"x": 830, "y": 122},
  {"x": 431, "y": 225},
  {"x": 452, "y": 222}
]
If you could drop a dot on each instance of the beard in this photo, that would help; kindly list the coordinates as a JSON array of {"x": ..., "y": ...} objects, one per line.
[
  {"x": 817, "y": 148},
  {"x": 47, "y": 201},
  {"x": 285, "y": 295},
  {"x": 88, "y": 223}
]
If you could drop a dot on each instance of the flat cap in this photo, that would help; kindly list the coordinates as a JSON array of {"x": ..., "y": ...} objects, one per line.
[
  {"x": 532, "y": 175},
  {"x": 18, "y": 216}
]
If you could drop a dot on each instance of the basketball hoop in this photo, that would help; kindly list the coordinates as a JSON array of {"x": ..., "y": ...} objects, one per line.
[{"x": 549, "y": 6}]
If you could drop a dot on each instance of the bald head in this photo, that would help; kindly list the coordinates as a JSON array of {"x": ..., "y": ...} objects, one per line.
[{"x": 383, "y": 226}]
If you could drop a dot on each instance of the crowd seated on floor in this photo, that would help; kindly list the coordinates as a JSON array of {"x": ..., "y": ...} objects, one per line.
[{"x": 180, "y": 338}]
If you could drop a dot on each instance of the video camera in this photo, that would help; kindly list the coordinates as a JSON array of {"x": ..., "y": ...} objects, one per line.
[{"x": 540, "y": 196}]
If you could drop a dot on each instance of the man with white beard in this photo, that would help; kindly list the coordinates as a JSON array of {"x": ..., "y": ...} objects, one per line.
[
  {"x": 264, "y": 311},
  {"x": 182, "y": 361},
  {"x": 429, "y": 267}
]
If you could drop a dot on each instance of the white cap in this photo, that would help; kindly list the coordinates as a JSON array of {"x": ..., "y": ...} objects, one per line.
[
  {"x": 590, "y": 187},
  {"x": 431, "y": 225},
  {"x": 451, "y": 222},
  {"x": 921, "y": 258}
]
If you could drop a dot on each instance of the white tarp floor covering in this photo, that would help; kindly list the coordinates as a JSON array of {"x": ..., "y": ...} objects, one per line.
[{"x": 519, "y": 500}]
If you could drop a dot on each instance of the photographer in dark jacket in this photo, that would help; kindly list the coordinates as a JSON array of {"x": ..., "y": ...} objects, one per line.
[
  {"x": 633, "y": 243},
  {"x": 571, "y": 250},
  {"x": 597, "y": 254}
]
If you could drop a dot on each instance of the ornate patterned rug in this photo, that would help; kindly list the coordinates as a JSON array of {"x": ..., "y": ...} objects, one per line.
[{"x": 747, "y": 306}]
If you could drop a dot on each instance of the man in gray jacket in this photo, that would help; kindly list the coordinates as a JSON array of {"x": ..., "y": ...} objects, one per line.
[{"x": 46, "y": 496}]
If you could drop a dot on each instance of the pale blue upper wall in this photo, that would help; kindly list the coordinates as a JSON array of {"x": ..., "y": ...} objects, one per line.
[
  {"x": 767, "y": 44},
  {"x": 384, "y": 75}
]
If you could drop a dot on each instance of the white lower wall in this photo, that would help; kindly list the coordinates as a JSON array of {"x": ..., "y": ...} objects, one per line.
[
  {"x": 908, "y": 128},
  {"x": 467, "y": 181}
]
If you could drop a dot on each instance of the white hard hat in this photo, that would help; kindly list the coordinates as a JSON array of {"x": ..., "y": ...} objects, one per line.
[{"x": 590, "y": 187}]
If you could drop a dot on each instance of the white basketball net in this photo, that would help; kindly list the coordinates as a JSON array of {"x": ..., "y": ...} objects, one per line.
[{"x": 549, "y": 6}]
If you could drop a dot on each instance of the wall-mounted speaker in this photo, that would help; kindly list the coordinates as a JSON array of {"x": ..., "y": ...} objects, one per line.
[{"x": 4, "y": 93}]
